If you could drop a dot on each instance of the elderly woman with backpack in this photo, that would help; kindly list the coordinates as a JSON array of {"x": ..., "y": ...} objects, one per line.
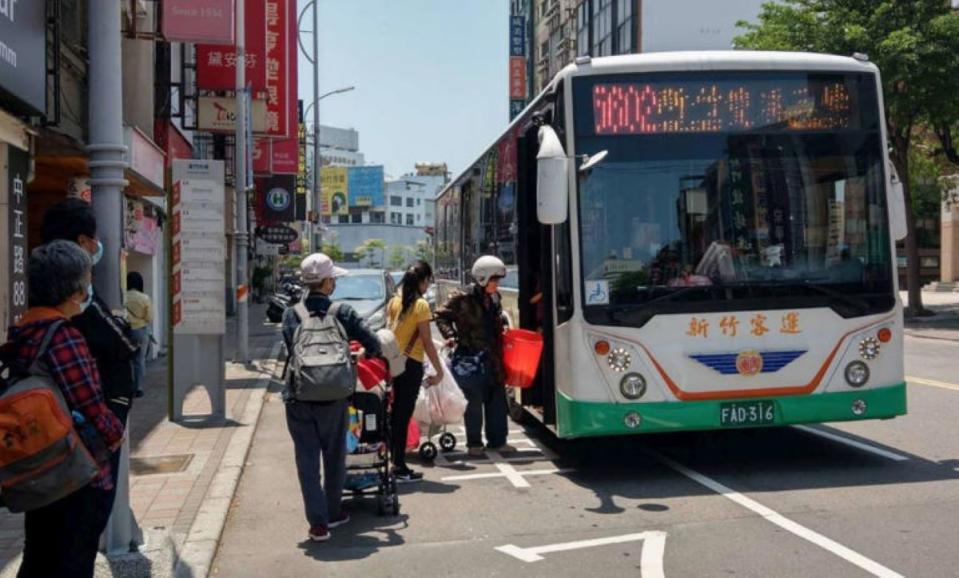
[
  {"x": 62, "y": 535},
  {"x": 317, "y": 397},
  {"x": 409, "y": 317}
]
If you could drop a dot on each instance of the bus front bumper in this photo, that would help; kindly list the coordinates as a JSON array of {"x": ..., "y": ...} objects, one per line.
[{"x": 583, "y": 419}]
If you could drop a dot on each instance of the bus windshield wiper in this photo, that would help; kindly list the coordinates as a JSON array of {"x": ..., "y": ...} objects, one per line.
[
  {"x": 860, "y": 305},
  {"x": 616, "y": 313}
]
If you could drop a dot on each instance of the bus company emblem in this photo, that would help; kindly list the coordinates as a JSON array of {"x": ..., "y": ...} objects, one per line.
[{"x": 748, "y": 362}]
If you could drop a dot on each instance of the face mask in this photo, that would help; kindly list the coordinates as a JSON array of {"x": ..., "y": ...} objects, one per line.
[
  {"x": 98, "y": 254},
  {"x": 89, "y": 299}
]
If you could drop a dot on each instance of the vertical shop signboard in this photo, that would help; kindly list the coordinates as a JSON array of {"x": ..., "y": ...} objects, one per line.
[
  {"x": 301, "y": 175},
  {"x": 277, "y": 67},
  {"x": 199, "y": 248},
  {"x": 19, "y": 165},
  {"x": 517, "y": 65}
]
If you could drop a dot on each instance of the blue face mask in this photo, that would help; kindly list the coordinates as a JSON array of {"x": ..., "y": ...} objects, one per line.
[
  {"x": 98, "y": 254},
  {"x": 89, "y": 299}
]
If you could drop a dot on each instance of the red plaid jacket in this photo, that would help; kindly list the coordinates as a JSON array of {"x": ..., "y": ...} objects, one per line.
[{"x": 73, "y": 369}]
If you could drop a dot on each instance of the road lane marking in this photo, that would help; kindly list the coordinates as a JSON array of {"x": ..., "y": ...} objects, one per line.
[
  {"x": 932, "y": 383},
  {"x": 851, "y": 556},
  {"x": 853, "y": 443},
  {"x": 651, "y": 562},
  {"x": 500, "y": 474}
]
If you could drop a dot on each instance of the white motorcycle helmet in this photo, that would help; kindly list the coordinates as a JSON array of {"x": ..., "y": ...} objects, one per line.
[{"x": 487, "y": 267}]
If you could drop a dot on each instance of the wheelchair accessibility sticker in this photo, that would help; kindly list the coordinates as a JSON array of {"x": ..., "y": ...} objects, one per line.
[{"x": 597, "y": 292}]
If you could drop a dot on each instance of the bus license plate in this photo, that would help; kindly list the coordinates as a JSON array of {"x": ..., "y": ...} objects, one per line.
[{"x": 745, "y": 413}]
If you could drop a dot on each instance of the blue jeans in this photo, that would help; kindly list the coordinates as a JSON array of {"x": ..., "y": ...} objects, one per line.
[
  {"x": 142, "y": 338},
  {"x": 319, "y": 430},
  {"x": 484, "y": 397}
]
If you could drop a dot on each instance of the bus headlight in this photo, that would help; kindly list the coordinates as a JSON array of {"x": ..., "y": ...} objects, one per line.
[
  {"x": 869, "y": 348},
  {"x": 619, "y": 360},
  {"x": 857, "y": 374},
  {"x": 632, "y": 386}
]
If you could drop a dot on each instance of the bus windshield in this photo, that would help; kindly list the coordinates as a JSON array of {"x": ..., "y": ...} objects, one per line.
[{"x": 731, "y": 192}]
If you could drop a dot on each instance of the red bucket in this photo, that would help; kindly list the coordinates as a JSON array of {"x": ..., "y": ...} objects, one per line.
[{"x": 521, "y": 353}]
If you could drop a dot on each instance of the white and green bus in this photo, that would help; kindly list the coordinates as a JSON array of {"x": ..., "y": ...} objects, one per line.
[{"x": 713, "y": 234}]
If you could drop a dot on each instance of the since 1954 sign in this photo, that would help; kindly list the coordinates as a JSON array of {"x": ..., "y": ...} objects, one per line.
[{"x": 23, "y": 65}]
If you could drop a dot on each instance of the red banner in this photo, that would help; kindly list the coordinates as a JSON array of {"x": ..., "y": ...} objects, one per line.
[
  {"x": 198, "y": 21},
  {"x": 262, "y": 156},
  {"x": 517, "y": 77},
  {"x": 216, "y": 65},
  {"x": 286, "y": 154},
  {"x": 278, "y": 58}
]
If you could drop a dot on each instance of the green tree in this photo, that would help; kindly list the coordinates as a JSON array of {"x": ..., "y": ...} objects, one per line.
[
  {"x": 369, "y": 248},
  {"x": 398, "y": 256},
  {"x": 424, "y": 251},
  {"x": 914, "y": 43},
  {"x": 332, "y": 250}
]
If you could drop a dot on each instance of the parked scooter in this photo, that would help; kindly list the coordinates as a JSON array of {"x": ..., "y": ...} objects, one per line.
[{"x": 280, "y": 301}]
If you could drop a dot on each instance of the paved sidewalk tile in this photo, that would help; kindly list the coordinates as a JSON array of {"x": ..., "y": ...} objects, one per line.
[{"x": 173, "y": 467}]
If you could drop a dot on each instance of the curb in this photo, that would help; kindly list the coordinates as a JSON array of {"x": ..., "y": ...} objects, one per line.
[{"x": 196, "y": 557}]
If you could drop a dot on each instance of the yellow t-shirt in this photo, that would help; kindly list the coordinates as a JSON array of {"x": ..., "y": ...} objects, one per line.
[
  {"x": 139, "y": 309},
  {"x": 406, "y": 325}
]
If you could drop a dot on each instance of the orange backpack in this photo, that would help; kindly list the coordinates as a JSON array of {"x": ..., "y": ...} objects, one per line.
[{"x": 42, "y": 458}]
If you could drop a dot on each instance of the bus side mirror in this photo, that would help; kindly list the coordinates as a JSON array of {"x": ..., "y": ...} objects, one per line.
[
  {"x": 897, "y": 206},
  {"x": 552, "y": 179}
]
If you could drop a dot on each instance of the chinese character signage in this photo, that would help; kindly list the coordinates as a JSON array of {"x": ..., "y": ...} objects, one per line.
[
  {"x": 335, "y": 186},
  {"x": 218, "y": 114},
  {"x": 216, "y": 65},
  {"x": 301, "y": 175},
  {"x": 756, "y": 325},
  {"x": 278, "y": 60},
  {"x": 517, "y": 78},
  {"x": 206, "y": 21},
  {"x": 285, "y": 153},
  {"x": 19, "y": 165},
  {"x": 517, "y": 36},
  {"x": 366, "y": 186}
]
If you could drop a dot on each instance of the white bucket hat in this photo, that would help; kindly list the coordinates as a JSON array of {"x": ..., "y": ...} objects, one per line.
[{"x": 318, "y": 267}]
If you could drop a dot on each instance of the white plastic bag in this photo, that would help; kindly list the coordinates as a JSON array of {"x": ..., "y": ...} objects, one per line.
[{"x": 442, "y": 404}]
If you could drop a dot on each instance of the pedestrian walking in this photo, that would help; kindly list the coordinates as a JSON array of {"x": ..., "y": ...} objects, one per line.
[
  {"x": 108, "y": 336},
  {"x": 61, "y": 538},
  {"x": 473, "y": 322},
  {"x": 319, "y": 428},
  {"x": 409, "y": 317},
  {"x": 140, "y": 315}
]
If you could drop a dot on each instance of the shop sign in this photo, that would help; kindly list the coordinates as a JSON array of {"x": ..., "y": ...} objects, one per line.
[
  {"x": 262, "y": 156},
  {"x": 23, "y": 65},
  {"x": 218, "y": 114},
  {"x": 517, "y": 36},
  {"x": 277, "y": 234},
  {"x": 144, "y": 157},
  {"x": 216, "y": 65},
  {"x": 141, "y": 232},
  {"x": 275, "y": 199},
  {"x": 279, "y": 14},
  {"x": 365, "y": 185},
  {"x": 194, "y": 21},
  {"x": 285, "y": 153},
  {"x": 18, "y": 167},
  {"x": 301, "y": 174},
  {"x": 517, "y": 78}
]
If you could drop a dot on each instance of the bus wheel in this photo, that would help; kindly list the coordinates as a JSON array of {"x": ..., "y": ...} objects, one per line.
[{"x": 515, "y": 408}]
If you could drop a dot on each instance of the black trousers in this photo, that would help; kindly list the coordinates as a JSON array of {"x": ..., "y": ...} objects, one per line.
[
  {"x": 406, "y": 388},
  {"x": 61, "y": 540}
]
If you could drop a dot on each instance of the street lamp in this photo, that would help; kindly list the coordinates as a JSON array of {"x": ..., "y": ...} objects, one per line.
[{"x": 306, "y": 112}]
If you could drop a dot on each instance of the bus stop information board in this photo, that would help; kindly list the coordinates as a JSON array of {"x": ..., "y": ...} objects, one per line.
[{"x": 199, "y": 248}]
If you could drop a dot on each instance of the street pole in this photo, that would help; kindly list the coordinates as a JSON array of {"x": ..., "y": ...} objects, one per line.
[
  {"x": 317, "y": 159},
  {"x": 107, "y": 164},
  {"x": 239, "y": 188}
]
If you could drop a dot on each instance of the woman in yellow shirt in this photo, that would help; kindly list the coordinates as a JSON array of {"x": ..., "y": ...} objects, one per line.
[
  {"x": 409, "y": 317},
  {"x": 140, "y": 314}
]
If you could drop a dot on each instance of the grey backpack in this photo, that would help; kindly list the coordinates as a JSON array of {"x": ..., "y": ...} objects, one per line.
[{"x": 321, "y": 366}]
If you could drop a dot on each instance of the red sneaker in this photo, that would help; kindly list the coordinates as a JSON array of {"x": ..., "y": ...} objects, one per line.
[
  {"x": 319, "y": 533},
  {"x": 343, "y": 518}
]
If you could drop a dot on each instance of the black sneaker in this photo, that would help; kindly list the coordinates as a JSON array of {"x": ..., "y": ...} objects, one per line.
[{"x": 407, "y": 476}]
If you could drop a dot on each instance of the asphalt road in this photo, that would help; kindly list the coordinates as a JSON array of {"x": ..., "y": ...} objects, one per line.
[{"x": 870, "y": 498}]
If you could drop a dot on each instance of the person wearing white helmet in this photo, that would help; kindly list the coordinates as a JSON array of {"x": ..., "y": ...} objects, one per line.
[
  {"x": 473, "y": 322},
  {"x": 319, "y": 429}
]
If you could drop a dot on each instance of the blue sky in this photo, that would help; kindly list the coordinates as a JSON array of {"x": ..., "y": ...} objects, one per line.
[{"x": 430, "y": 76}]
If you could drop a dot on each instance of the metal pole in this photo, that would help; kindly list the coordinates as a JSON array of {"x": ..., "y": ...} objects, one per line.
[
  {"x": 317, "y": 159},
  {"x": 107, "y": 164},
  {"x": 239, "y": 188}
]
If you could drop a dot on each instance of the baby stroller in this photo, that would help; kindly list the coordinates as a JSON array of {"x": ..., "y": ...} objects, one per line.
[{"x": 369, "y": 464}]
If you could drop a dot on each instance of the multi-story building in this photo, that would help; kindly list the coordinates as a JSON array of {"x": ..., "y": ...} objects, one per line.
[
  {"x": 340, "y": 147},
  {"x": 553, "y": 42}
]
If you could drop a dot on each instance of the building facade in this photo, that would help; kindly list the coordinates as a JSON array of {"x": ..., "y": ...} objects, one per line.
[{"x": 340, "y": 147}]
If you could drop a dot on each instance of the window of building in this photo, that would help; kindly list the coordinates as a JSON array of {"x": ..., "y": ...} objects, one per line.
[
  {"x": 409, "y": 219},
  {"x": 419, "y": 218},
  {"x": 378, "y": 218},
  {"x": 396, "y": 218},
  {"x": 419, "y": 202},
  {"x": 343, "y": 219},
  {"x": 396, "y": 201},
  {"x": 582, "y": 28},
  {"x": 544, "y": 50},
  {"x": 409, "y": 201},
  {"x": 356, "y": 218},
  {"x": 602, "y": 27},
  {"x": 624, "y": 27}
]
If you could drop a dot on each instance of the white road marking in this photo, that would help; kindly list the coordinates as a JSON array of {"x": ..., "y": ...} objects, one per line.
[
  {"x": 853, "y": 443},
  {"x": 651, "y": 562},
  {"x": 488, "y": 475},
  {"x": 507, "y": 470},
  {"x": 851, "y": 556},
  {"x": 932, "y": 382}
]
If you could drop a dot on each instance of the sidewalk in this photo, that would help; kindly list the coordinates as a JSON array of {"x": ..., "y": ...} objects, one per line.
[
  {"x": 944, "y": 324},
  {"x": 182, "y": 477}
]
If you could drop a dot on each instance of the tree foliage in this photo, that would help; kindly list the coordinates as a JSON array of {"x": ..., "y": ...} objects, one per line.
[
  {"x": 371, "y": 249},
  {"x": 424, "y": 251},
  {"x": 913, "y": 42},
  {"x": 398, "y": 256},
  {"x": 332, "y": 250}
]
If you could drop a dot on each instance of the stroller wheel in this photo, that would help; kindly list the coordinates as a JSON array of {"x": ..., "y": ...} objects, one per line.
[
  {"x": 428, "y": 451},
  {"x": 448, "y": 442}
]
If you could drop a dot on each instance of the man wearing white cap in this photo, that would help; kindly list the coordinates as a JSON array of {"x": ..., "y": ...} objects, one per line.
[{"x": 319, "y": 428}]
